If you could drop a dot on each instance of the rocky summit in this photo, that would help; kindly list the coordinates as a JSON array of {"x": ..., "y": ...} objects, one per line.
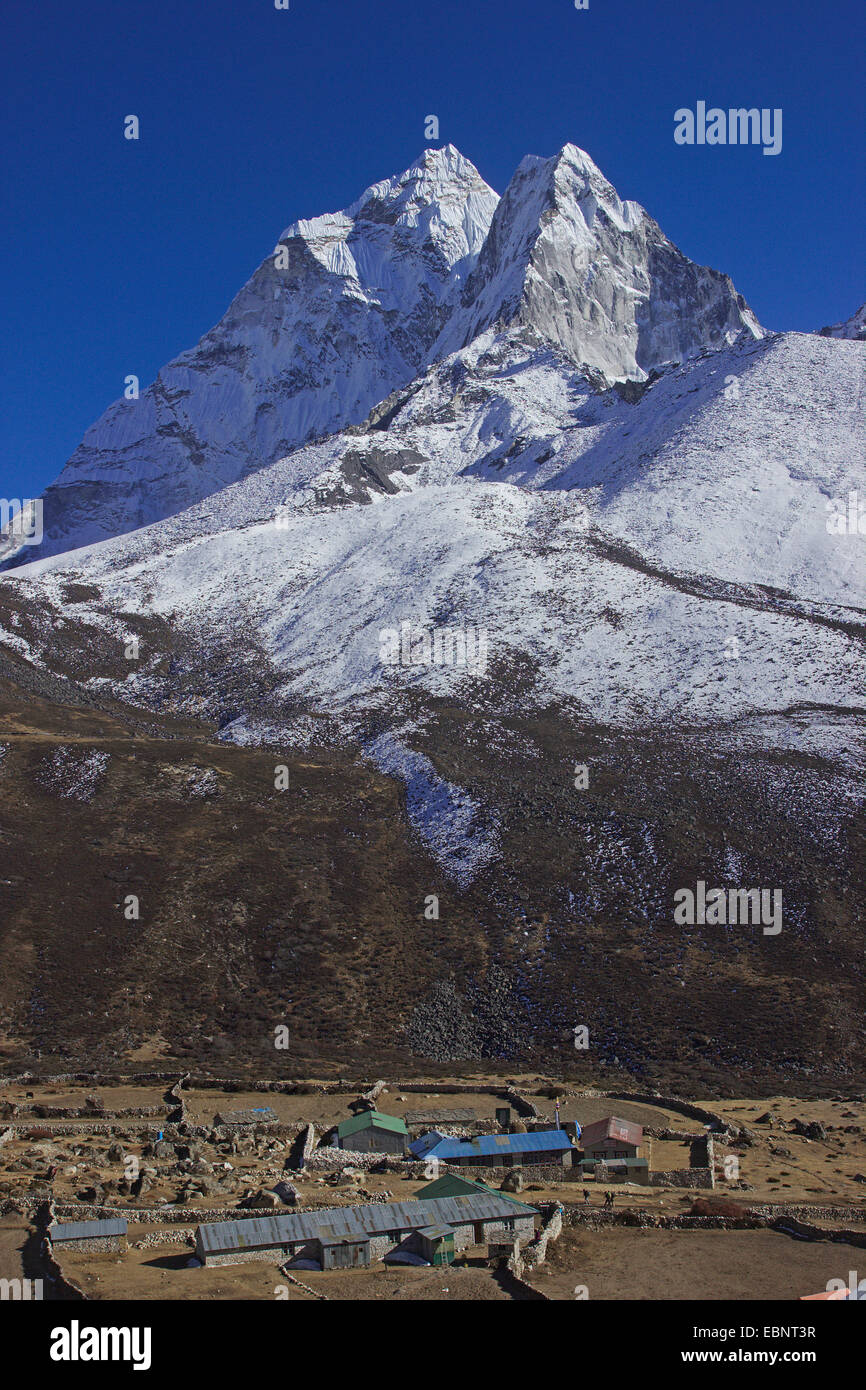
[{"x": 352, "y": 305}]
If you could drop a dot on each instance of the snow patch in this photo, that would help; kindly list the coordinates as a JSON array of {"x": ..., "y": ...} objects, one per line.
[{"x": 452, "y": 825}]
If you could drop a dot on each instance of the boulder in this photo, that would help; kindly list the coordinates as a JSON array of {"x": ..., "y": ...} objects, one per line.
[
  {"x": 812, "y": 1129},
  {"x": 513, "y": 1181},
  {"x": 720, "y": 1206}
]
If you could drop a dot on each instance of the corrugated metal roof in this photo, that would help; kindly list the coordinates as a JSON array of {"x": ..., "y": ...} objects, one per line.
[
  {"x": 421, "y": 1147},
  {"x": 352, "y": 1223},
  {"x": 436, "y": 1232},
  {"x": 331, "y": 1239},
  {"x": 493, "y": 1145},
  {"x": 612, "y": 1128},
  {"x": 372, "y": 1119},
  {"x": 86, "y": 1230}
]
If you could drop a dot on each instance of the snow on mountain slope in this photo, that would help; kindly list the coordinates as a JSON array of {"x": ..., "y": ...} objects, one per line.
[
  {"x": 593, "y": 275},
  {"x": 642, "y": 550},
  {"x": 305, "y": 348},
  {"x": 453, "y": 827},
  {"x": 723, "y": 467},
  {"x": 357, "y": 304},
  {"x": 642, "y": 555},
  {"x": 620, "y": 646}
]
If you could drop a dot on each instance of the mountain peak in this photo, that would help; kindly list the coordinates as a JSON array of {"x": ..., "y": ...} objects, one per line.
[
  {"x": 854, "y": 328},
  {"x": 437, "y": 178},
  {"x": 593, "y": 275},
  {"x": 342, "y": 313},
  {"x": 434, "y": 175}
]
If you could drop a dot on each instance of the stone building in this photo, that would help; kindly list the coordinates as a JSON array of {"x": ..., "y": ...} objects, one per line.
[
  {"x": 612, "y": 1140},
  {"x": 89, "y": 1235},
  {"x": 345, "y": 1237},
  {"x": 373, "y": 1133}
]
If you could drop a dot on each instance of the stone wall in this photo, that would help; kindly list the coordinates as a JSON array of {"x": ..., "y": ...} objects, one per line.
[
  {"x": 789, "y": 1225},
  {"x": 34, "y": 1110},
  {"x": 53, "y": 1270},
  {"x": 292, "y": 1279},
  {"x": 93, "y": 1245},
  {"x": 801, "y": 1212},
  {"x": 309, "y": 1146},
  {"x": 43, "y": 1216},
  {"x": 536, "y": 1252},
  {"x": 374, "y": 1092},
  {"x": 522, "y": 1104},
  {"x": 702, "y": 1151},
  {"x": 154, "y": 1239},
  {"x": 71, "y": 1127},
  {"x": 675, "y": 1103},
  {"x": 176, "y": 1100},
  {"x": 681, "y": 1177},
  {"x": 595, "y": 1218}
]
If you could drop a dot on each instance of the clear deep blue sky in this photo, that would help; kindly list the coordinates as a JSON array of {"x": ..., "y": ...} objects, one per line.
[{"x": 117, "y": 255}]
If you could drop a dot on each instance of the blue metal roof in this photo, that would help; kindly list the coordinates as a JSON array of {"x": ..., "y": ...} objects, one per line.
[{"x": 492, "y": 1146}]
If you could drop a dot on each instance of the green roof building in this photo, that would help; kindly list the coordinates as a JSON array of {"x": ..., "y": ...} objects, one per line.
[
  {"x": 373, "y": 1132},
  {"x": 453, "y": 1185}
]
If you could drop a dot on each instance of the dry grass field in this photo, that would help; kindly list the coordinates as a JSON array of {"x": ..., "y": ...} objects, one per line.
[{"x": 624, "y": 1263}]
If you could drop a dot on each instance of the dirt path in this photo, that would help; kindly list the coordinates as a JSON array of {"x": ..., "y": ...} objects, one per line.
[{"x": 13, "y": 1237}]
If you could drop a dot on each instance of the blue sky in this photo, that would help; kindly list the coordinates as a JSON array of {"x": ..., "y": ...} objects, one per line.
[{"x": 116, "y": 255}]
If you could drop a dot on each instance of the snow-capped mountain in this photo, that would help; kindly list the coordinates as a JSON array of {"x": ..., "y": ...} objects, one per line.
[
  {"x": 650, "y": 539},
  {"x": 855, "y": 327},
  {"x": 462, "y": 498},
  {"x": 354, "y": 305},
  {"x": 620, "y": 542}
]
